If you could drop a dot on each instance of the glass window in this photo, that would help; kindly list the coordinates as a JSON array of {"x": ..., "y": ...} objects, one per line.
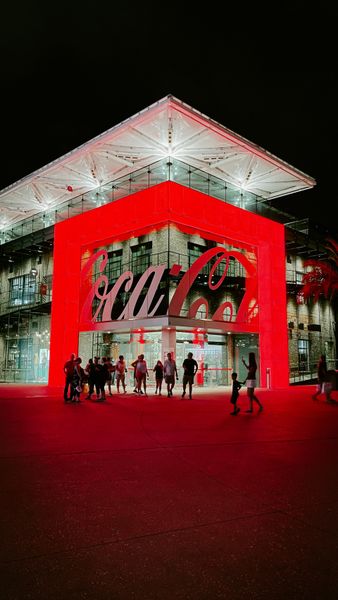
[
  {"x": 303, "y": 355},
  {"x": 194, "y": 251},
  {"x": 22, "y": 290},
  {"x": 235, "y": 269},
  {"x": 140, "y": 257},
  {"x": 114, "y": 266},
  {"x": 299, "y": 277}
]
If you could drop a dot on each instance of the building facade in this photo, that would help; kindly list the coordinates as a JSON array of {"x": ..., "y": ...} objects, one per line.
[{"x": 174, "y": 250}]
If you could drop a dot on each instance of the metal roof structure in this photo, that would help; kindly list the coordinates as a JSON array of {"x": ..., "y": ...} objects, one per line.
[{"x": 167, "y": 128}]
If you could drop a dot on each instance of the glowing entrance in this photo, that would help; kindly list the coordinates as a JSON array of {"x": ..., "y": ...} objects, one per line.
[
  {"x": 185, "y": 262},
  {"x": 217, "y": 354}
]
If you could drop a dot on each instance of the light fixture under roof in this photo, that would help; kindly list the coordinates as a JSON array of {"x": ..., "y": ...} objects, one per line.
[{"x": 168, "y": 127}]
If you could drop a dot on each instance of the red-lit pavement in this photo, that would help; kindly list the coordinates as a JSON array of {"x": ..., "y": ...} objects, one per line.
[{"x": 163, "y": 498}]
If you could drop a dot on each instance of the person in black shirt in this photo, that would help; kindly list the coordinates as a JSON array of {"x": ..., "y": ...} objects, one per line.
[
  {"x": 99, "y": 379},
  {"x": 90, "y": 370},
  {"x": 190, "y": 367},
  {"x": 236, "y": 386},
  {"x": 68, "y": 370},
  {"x": 158, "y": 369}
]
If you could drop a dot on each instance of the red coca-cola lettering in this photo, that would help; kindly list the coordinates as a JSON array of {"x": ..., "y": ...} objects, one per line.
[
  {"x": 247, "y": 311},
  {"x": 124, "y": 283},
  {"x": 188, "y": 279}
]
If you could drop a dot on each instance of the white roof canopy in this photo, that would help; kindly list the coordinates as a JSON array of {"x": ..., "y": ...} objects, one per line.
[{"x": 167, "y": 128}]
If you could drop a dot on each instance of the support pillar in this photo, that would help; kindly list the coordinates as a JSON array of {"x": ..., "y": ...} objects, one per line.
[{"x": 168, "y": 342}]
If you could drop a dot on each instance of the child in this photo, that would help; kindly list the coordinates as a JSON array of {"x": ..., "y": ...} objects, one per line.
[{"x": 236, "y": 386}]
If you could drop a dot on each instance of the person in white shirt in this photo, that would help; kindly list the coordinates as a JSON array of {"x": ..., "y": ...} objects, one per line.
[
  {"x": 170, "y": 370},
  {"x": 141, "y": 374}
]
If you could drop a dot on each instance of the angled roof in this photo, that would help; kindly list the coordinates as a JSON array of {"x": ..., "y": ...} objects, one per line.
[{"x": 168, "y": 127}]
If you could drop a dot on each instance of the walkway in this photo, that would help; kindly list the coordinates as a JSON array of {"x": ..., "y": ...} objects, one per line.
[{"x": 162, "y": 498}]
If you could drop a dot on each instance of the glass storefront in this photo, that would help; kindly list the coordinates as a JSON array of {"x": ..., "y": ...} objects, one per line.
[
  {"x": 26, "y": 342},
  {"x": 217, "y": 354}
]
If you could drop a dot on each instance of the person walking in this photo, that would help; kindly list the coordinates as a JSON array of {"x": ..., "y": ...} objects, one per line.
[
  {"x": 169, "y": 373},
  {"x": 324, "y": 384},
  {"x": 190, "y": 368},
  {"x": 120, "y": 372},
  {"x": 141, "y": 375},
  {"x": 236, "y": 386},
  {"x": 159, "y": 374},
  {"x": 251, "y": 382},
  {"x": 68, "y": 370}
]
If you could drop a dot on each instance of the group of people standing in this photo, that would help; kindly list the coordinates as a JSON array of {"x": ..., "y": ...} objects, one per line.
[
  {"x": 100, "y": 373},
  {"x": 97, "y": 375},
  {"x": 166, "y": 372}
]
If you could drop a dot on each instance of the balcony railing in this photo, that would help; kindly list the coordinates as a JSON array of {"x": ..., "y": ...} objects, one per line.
[
  {"x": 158, "y": 172},
  {"x": 9, "y": 304}
]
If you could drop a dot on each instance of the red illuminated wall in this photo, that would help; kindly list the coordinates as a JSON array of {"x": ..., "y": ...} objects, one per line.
[{"x": 194, "y": 212}]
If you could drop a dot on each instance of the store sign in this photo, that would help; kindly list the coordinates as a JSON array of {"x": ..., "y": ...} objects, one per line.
[{"x": 102, "y": 299}]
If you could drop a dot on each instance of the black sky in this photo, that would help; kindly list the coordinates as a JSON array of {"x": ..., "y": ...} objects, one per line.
[{"x": 72, "y": 70}]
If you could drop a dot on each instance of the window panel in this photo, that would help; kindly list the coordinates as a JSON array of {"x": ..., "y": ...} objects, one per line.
[{"x": 22, "y": 290}]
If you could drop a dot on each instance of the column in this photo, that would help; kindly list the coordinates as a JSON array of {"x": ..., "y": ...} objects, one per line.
[{"x": 168, "y": 342}]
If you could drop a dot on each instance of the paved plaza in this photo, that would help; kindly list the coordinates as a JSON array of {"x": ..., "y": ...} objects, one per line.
[{"x": 162, "y": 498}]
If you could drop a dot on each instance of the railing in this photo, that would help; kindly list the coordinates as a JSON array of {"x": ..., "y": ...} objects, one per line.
[
  {"x": 141, "y": 263},
  {"x": 16, "y": 375},
  {"x": 141, "y": 179},
  {"x": 309, "y": 374},
  {"x": 33, "y": 300}
]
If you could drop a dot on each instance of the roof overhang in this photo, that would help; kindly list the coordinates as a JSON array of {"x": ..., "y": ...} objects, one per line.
[{"x": 167, "y": 128}]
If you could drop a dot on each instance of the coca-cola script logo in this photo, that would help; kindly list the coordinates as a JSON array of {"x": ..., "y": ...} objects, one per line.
[{"x": 102, "y": 299}]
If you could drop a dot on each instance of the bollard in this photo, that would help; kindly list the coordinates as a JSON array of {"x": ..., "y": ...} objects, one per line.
[{"x": 268, "y": 378}]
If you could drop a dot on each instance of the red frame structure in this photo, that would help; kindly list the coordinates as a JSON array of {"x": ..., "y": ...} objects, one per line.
[{"x": 193, "y": 212}]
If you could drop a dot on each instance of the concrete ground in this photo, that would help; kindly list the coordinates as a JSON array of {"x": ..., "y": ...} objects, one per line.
[{"x": 162, "y": 498}]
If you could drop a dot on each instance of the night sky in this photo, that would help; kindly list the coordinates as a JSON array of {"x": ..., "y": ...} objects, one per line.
[{"x": 72, "y": 70}]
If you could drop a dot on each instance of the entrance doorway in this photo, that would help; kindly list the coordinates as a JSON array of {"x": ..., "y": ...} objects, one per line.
[
  {"x": 128, "y": 344},
  {"x": 211, "y": 353},
  {"x": 217, "y": 354}
]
